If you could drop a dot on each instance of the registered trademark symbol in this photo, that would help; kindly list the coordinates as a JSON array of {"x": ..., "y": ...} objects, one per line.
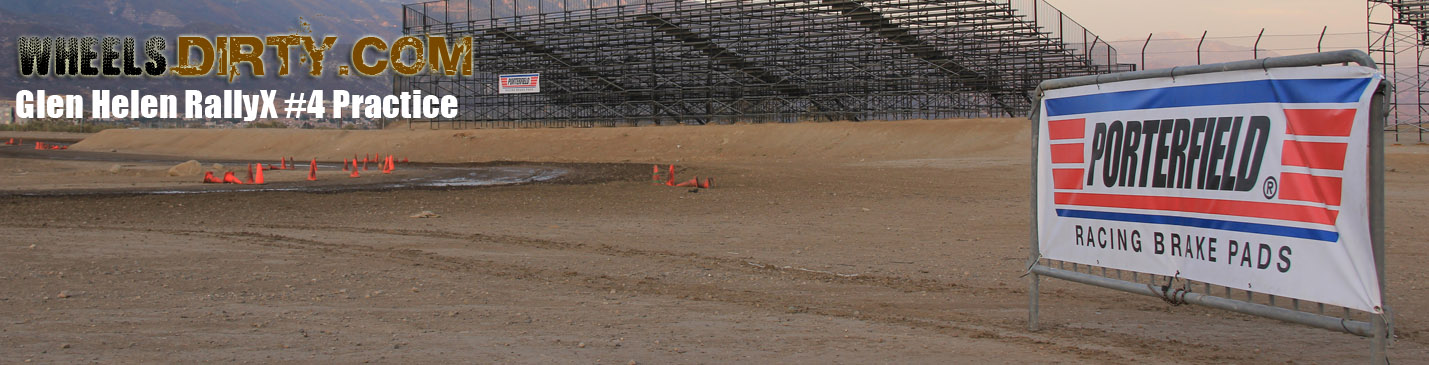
[{"x": 1271, "y": 187}]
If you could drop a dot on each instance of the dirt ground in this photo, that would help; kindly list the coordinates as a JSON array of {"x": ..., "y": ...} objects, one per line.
[{"x": 807, "y": 254}]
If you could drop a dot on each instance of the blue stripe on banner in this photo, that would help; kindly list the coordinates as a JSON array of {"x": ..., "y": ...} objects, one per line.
[
  {"x": 1274, "y": 230},
  {"x": 1242, "y": 92}
]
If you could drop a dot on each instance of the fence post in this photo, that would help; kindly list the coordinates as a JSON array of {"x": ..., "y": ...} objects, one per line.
[
  {"x": 1321, "y": 42},
  {"x": 1143, "y": 50},
  {"x": 1379, "y": 325},
  {"x": 1255, "y": 50},
  {"x": 1034, "y": 279},
  {"x": 1198, "y": 46}
]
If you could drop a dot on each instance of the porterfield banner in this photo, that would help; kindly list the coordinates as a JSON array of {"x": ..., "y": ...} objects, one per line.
[
  {"x": 519, "y": 84},
  {"x": 1256, "y": 180}
]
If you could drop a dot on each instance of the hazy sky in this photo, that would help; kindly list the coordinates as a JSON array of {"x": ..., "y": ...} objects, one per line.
[{"x": 1133, "y": 19}]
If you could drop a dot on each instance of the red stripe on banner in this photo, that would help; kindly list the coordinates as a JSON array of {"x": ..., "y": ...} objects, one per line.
[
  {"x": 1067, "y": 129},
  {"x": 1067, "y": 153},
  {"x": 1315, "y": 155},
  {"x": 1067, "y": 178},
  {"x": 1319, "y": 122},
  {"x": 1310, "y": 188},
  {"x": 1287, "y": 212}
]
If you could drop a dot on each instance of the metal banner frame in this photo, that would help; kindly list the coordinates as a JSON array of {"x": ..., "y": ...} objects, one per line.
[{"x": 1376, "y": 326}]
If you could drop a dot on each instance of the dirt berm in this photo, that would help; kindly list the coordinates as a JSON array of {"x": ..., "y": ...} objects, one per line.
[{"x": 824, "y": 142}]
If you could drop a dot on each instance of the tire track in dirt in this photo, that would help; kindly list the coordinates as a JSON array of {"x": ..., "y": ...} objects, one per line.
[
  {"x": 1085, "y": 343},
  {"x": 747, "y": 265},
  {"x": 963, "y": 325}
]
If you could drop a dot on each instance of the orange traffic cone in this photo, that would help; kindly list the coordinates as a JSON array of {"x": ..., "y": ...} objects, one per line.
[
  {"x": 39, "y": 145},
  {"x": 344, "y": 164},
  {"x": 655, "y": 174},
  {"x": 313, "y": 170},
  {"x": 258, "y": 178},
  {"x": 670, "y": 176},
  {"x": 706, "y": 184},
  {"x": 404, "y": 160},
  {"x": 695, "y": 182},
  {"x": 11, "y": 142},
  {"x": 249, "y": 178},
  {"x": 354, "y": 169},
  {"x": 229, "y": 178},
  {"x": 209, "y": 179}
]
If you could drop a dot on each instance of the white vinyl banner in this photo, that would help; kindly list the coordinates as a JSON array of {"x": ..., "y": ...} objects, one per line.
[
  {"x": 1255, "y": 180},
  {"x": 518, "y": 84}
]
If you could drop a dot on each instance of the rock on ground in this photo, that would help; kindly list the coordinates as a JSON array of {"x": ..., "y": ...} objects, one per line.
[{"x": 188, "y": 168}]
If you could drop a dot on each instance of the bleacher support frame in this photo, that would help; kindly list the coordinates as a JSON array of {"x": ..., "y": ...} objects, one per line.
[
  {"x": 623, "y": 62},
  {"x": 1398, "y": 32}
]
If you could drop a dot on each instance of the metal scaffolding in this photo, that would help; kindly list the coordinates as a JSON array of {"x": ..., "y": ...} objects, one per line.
[
  {"x": 1398, "y": 32},
  {"x": 609, "y": 62}
]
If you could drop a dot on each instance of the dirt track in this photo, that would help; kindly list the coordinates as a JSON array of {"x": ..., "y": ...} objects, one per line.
[
  {"x": 800, "y": 142},
  {"x": 890, "y": 258}
]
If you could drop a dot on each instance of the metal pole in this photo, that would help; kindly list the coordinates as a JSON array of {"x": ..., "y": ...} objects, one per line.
[
  {"x": 1109, "y": 61},
  {"x": 1093, "y": 48},
  {"x": 1143, "y": 50},
  {"x": 1234, "y": 305},
  {"x": 1035, "y": 24},
  {"x": 1255, "y": 50},
  {"x": 1034, "y": 279},
  {"x": 1198, "y": 46},
  {"x": 1322, "y": 39},
  {"x": 1378, "y": 321}
]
